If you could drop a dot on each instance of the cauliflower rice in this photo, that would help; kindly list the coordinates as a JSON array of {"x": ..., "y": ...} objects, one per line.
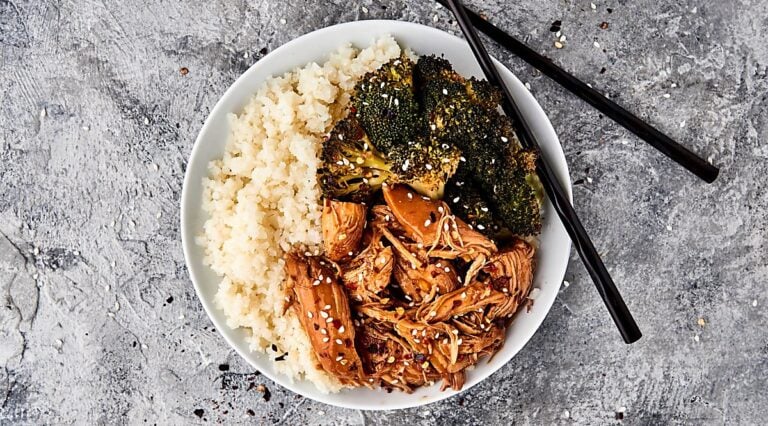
[{"x": 262, "y": 198}]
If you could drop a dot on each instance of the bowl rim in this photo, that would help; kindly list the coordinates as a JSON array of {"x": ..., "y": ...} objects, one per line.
[{"x": 189, "y": 240}]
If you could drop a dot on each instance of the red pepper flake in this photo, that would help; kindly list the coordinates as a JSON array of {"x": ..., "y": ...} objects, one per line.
[
  {"x": 336, "y": 323},
  {"x": 184, "y": 71},
  {"x": 603, "y": 25}
]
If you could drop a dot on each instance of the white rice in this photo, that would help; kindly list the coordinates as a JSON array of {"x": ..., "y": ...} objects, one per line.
[{"x": 263, "y": 198}]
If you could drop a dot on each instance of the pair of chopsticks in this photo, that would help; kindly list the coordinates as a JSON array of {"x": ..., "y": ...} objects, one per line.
[{"x": 618, "y": 310}]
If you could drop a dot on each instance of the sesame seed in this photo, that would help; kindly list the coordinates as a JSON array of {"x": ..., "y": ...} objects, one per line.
[
  {"x": 456, "y": 332},
  {"x": 324, "y": 314},
  {"x": 462, "y": 159},
  {"x": 427, "y": 223},
  {"x": 458, "y": 342},
  {"x": 428, "y": 166},
  {"x": 445, "y": 341},
  {"x": 480, "y": 226},
  {"x": 326, "y": 340},
  {"x": 397, "y": 102},
  {"x": 326, "y": 307},
  {"x": 447, "y": 269},
  {"x": 323, "y": 331},
  {"x": 405, "y": 165},
  {"x": 484, "y": 209},
  {"x": 417, "y": 340},
  {"x": 410, "y": 196},
  {"x": 339, "y": 342},
  {"x": 309, "y": 314},
  {"x": 341, "y": 329},
  {"x": 329, "y": 320},
  {"x": 504, "y": 139},
  {"x": 433, "y": 314},
  {"x": 391, "y": 359},
  {"x": 445, "y": 91},
  {"x": 339, "y": 358},
  {"x": 320, "y": 277},
  {"x": 317, "y": 282},
  {"x": 456, "y": 200},
  {"x": 343, "y": 362},
  {"x": 558, "y": 45},
  {"x": 440, "y": 209}
]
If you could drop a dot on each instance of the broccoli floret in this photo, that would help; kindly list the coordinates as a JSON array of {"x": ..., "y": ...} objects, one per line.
[
  {"x": 515, "y": 193},
  {"x": 467, "y": 201},
  {"x": 352, "y": 167},
  {"x": 386, "y": 106},
  {"x": 467, "y": 118},
  {"x": 425, "y": 165},
  {"x": 435, "y": 80}
]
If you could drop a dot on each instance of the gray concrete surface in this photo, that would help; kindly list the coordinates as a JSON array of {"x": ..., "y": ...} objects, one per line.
[{"x": 99, "y": 322}]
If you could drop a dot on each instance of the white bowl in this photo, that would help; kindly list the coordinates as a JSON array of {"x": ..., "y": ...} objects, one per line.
[{"x": 316, "y": 46}]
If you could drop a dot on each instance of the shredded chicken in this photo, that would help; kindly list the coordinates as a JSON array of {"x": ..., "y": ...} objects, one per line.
[
  {"x": 413, "y": 297},
  {"x": 323, "y": 310},
  {"x": 342, "y": 225}
]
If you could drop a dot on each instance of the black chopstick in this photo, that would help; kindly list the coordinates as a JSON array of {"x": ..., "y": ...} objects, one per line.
[
  {"x": 629, "y": 121},
  {"x": 605, "y": 286}
]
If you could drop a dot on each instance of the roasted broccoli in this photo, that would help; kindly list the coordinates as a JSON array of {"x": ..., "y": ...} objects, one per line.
[
  {"x": 354, "y": 169},
  {"x": 385, "y": 104},
  {"x": 435, "y": 80},
  {"x": 464, "y": 113},
  {"x": 351, "y": 167}
]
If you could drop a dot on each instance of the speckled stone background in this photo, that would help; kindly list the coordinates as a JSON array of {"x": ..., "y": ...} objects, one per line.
[{"x": 98, "y": 319}]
